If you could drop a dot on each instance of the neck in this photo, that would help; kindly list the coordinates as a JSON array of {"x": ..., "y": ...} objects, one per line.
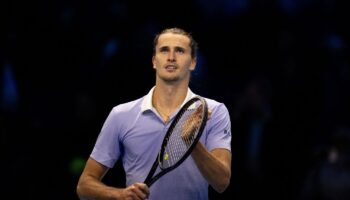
[{"x": 167, "y": 99}]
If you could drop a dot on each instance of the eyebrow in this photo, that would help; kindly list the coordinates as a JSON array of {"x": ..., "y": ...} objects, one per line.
[{"x": 176, "y": 48}]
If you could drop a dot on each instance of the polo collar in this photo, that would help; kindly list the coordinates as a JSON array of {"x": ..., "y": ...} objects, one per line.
[{"x": 147, "y": 100}]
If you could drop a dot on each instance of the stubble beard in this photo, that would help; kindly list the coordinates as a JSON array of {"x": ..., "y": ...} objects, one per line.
[{"x": 172, "y": 78}]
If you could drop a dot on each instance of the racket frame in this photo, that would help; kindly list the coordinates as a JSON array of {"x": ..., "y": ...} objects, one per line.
[{"x": 160, "y": 156}]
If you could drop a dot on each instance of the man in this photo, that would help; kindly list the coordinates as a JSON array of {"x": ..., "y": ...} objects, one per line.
[{"x": 134, "y": 131}]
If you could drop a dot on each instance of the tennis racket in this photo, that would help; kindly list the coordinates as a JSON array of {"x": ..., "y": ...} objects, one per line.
[{"x": 180, "y": 139}]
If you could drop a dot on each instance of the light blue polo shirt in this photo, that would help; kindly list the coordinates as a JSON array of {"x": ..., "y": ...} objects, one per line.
[{"x": 134, "y": 132}]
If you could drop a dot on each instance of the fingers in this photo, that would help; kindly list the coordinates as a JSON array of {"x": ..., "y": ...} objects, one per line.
[
  {"x": 192, "y": 124},
  {"x": 137, "y": 191},
  {"x": 142, "y": 188},
  {"x": 198, "y": 112}
]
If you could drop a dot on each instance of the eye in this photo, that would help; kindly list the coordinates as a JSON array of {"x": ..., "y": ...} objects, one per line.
[
  {"x": 180, "y": 50},
  {"x": 163, "y": 50}
]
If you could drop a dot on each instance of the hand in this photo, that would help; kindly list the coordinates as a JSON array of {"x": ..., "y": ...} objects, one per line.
[
  {"x": 192, "y": 124},
  {"x": 136, "y": 191}
]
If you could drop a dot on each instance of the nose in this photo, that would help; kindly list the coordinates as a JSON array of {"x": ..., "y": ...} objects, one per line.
[{"x": 171, "y": 56}]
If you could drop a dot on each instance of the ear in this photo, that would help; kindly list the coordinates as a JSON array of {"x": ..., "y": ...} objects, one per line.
[
  {"x": 153, "y": 62},
  {"x": 193, "y": 64}
]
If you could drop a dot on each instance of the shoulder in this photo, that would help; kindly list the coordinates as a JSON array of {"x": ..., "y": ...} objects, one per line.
[
  {"x": 214, "y": 104},
  {"x": 127, "y": 106}
]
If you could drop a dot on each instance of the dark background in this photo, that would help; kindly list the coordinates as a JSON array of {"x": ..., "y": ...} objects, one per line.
[{"x": 281, "y": 68}]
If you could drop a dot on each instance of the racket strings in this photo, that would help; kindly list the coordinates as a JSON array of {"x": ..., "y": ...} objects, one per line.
[{"x": 183, "y": 135}]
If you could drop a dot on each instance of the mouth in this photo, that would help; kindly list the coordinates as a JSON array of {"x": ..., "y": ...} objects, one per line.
[{"x": 170, "y": 68}]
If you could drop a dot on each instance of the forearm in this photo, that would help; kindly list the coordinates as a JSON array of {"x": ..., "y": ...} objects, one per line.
[
  {"x": 92, "y": 189},
  {"x": 215, "y": 166}
]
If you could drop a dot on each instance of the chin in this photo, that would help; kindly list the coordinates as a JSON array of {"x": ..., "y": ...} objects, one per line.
[{"x": 170, "y": 79}]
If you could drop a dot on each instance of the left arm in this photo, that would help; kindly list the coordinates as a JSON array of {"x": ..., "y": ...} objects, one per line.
[{"x": 215, "y": 166}]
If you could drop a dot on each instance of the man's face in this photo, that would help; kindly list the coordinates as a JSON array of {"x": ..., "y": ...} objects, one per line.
[{"x": 172, "y": 59}]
